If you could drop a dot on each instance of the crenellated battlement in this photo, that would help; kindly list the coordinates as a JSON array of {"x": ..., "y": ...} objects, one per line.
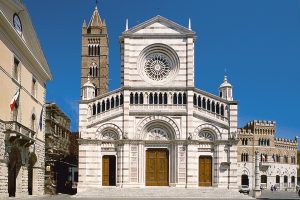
[
  {"x": 285, "y": 141},
  {"x": 266, "y": 123}
]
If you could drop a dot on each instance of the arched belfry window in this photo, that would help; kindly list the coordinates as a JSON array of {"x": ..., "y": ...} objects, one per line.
[{"x": 93, "y": 70}]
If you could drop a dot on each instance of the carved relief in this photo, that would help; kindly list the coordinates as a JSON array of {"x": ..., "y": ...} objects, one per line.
[
  {"x": 206, "y": 136},
  {"x": 109, "y": 136},
  {"x": 157, "y": 134}
]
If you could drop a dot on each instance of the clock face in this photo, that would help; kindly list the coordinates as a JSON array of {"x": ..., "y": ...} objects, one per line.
[{"x": 17, "y": 23}]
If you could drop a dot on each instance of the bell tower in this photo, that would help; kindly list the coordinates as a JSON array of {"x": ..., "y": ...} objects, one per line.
[{"x": 94, "y": 54}]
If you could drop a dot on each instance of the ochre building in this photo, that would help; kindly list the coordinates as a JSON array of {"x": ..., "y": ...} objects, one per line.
[{"x": 23, "y": 75}]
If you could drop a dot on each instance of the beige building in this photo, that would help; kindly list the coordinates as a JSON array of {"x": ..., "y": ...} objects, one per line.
[
  {"x": 24, "y": 71},
  {"x": 278, "y": 156}
]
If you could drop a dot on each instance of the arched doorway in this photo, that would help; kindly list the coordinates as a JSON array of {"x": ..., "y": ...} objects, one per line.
[
  {"x": 157, "y": 167},
  {"x": 245, "y": 179},
  {"x": 109, "y": 170},
  {"x": 205, "y": 171},
  {"x": 13, "y": 170},
  {"x": 32, "y": 161}
]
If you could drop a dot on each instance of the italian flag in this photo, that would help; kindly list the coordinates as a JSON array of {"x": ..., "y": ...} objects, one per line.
[{"x": 14, "y": 100}]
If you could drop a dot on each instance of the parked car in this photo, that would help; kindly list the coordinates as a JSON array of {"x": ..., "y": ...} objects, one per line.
[{"x": 244, "y": 189}]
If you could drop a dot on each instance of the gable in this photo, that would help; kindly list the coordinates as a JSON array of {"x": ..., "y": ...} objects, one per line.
[{"x": 159, "y": 25}]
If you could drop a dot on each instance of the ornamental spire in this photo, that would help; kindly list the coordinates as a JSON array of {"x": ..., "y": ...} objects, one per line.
[{"x": 95, "y": 20}]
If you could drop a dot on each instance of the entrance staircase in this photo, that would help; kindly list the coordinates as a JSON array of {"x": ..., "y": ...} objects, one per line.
[{"x": 164, "y": 192}]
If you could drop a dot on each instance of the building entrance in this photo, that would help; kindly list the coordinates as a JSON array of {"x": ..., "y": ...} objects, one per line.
[
  {"x": 205, "y": 171},
  {"x": 109, "y": 171},
  {"x": 157, "y": 167}
]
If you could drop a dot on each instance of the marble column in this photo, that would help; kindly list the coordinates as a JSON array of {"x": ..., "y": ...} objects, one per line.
[{"x": 256, "y": 191}]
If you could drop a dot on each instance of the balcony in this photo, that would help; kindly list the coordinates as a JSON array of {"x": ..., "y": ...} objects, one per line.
[
  {"x": 264, "y": 165},
  {"x": 15, "y": 130}
]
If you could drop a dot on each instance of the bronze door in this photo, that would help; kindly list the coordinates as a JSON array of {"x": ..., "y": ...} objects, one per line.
[
  {"x": 108, "y": 171},
  {"x": 157, "y": 167},
  {"x": 205, "y": 171}
]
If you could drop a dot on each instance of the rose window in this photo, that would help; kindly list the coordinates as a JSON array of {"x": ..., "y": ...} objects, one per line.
[{"x": 157, "y": 66}]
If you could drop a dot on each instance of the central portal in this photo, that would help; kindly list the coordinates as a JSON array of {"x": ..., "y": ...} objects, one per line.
[{"x": 157, "y": 167}]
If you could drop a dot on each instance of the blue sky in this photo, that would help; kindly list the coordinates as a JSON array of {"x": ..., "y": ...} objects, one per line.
[{"x": 258, "y": 42}]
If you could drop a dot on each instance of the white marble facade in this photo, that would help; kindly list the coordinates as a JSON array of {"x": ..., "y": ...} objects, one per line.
[{"x": 159, "y": 107}]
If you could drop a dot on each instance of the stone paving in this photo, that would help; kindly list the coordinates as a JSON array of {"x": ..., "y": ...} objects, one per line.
[
  {"x": 266, "y": 194},
  {"x": 185, "y": 194}
]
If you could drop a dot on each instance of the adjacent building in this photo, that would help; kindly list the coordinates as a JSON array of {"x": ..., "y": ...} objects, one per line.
[
  {"x": 23, "y": 73},
  {"x": 278, "y": 156},
  {"x": 158, "y": 129},
  {"x": 57, "y": 150}
]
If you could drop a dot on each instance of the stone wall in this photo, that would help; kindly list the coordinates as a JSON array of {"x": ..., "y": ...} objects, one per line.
[{"x": 3, "y": 164}]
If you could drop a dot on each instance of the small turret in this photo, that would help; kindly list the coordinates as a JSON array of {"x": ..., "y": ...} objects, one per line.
[
  {"x": 84, "y": 27},
  {"x": 226, "y": 90},
  {"x": 104, "y": 29},
  {"x": 88, "y": 90}
]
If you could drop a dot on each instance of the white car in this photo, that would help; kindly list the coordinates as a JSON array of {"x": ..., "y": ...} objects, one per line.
[{"x": 244, "y": 189}]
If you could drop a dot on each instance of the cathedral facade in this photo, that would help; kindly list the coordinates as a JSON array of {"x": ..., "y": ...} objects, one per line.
[{"x": 158, "y": 129}]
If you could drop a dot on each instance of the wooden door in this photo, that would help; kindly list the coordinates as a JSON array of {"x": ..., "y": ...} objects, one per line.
[
  {"x": 108, "y": 171},
  {"x": 205, "y": 171},
  {"x": 157, "y": 167},
  {"x": 105, "y": 171}
]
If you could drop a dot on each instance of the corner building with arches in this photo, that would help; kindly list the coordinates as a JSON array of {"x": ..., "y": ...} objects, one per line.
[
  {"x": 277, "y": 156},
  {"x": 158, "y": 129}
]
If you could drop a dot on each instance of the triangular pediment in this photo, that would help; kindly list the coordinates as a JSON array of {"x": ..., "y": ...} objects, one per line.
[{"x": 159, "y": 25}]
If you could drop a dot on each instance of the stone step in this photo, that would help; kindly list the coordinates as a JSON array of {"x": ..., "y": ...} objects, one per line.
[{"x": 164, "y": 192}]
